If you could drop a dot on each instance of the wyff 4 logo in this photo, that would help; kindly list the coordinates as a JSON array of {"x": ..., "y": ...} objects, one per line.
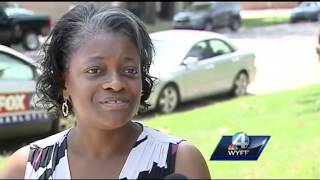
[{"x": 240, "y": 147}]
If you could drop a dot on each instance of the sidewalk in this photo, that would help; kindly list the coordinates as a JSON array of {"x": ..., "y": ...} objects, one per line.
[{"x": 247, "y": 14}]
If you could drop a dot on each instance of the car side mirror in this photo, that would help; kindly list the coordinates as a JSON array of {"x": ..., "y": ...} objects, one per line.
[{"x": 190, "y": 60}]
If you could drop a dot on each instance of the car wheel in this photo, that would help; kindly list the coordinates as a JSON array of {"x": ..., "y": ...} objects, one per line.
[
  {"x": 30, "y": 41},
  {"x": 168, "y": 99},
  {"x": 240, "y": 85},
  {"x": 208, "y": 26},
  {"x": 235, "y": 24}
]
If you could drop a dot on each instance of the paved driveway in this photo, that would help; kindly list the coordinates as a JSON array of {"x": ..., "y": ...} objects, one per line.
[{"x": 285, "y": 55}]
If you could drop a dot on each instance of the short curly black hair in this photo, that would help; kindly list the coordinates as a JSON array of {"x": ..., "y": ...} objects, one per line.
[{"x": 79, "y": 23}]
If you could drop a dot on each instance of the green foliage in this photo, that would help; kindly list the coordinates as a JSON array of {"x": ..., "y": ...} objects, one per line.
[{"x": 3, "y": 160}]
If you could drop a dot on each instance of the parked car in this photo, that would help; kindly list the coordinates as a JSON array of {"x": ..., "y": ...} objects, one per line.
[
  {"x": 190, "y": 64},
  {"x": 18, "y": 113},
  {"x": 19, "y": 25},
  {"x": 306, "y": 11},
  {"x": 209, "y": 15}
]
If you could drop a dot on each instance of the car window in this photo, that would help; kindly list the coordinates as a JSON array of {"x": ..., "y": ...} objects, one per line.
[
  {"x": 12, "y": 68},
  {"x": 219, "y": 47},
  {"x": 199, "y": 7},
  {"x": 200, "y": 50},
  {"x": 17, "y": 11}
]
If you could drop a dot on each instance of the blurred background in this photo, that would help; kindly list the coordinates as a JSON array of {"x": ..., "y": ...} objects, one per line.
[{"x": 282, "y": 100}]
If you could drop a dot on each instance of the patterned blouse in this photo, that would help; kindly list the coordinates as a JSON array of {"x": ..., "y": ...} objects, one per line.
[{"x": 152, "y": 157}]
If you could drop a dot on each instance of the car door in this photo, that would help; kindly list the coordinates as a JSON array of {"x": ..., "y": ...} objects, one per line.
[
  {"x": 219, "y": 14},
  {"x": 225, "y": 13},
  {"x": 193, "y": 77},
  {"x": 225, "y": 66},
  {"x": 230, "y": 10}
]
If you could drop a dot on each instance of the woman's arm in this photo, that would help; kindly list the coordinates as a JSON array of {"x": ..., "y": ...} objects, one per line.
[
  {"x": 16, "y": 165},
  {"x": 190, "y": 162}
]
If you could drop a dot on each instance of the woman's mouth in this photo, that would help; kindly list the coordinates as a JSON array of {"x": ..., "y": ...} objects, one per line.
[{"x": 114, "y": 104}]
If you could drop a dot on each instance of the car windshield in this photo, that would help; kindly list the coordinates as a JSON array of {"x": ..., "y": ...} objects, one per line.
[
  {"x": 169, "y": 52},
  {"x": 14, "y": 11}
]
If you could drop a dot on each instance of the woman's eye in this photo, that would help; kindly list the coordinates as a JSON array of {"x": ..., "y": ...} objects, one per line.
[
  {"x": 93, "y": 71},
  {"x": 131, "y": 71}
]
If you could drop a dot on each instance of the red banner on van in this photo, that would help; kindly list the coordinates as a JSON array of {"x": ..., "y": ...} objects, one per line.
[{"x": 14, "y": 102}]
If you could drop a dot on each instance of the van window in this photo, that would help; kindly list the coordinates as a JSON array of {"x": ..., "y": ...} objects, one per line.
[{"x": 12, "y": 68}]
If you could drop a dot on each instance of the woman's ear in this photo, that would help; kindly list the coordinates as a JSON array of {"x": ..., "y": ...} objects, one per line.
[
  {"x": 65, "y": 92},
  {"x": 65, "y": 83}
]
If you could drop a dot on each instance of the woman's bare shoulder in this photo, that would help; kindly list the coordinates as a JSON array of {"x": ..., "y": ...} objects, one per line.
[
  {"x": 16, "y": 165},
  {"x": 190, "y": 162}
]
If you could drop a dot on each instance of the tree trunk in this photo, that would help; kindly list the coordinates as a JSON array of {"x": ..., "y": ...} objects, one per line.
[{"x": 149, "y": 13}]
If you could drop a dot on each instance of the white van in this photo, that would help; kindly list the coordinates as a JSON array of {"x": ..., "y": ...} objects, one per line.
[{"x": 18, "y": 114}]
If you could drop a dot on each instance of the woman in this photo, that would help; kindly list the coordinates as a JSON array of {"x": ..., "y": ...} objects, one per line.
[{"x": 96, "y": 68}]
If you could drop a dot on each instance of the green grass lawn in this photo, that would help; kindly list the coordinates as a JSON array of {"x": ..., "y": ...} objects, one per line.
[
  {"x": 159, "y": 26},
  {"x": 3, "y": 160},
  {"x": 292, "y": 119},
  {"x": 265, "y": 21}
]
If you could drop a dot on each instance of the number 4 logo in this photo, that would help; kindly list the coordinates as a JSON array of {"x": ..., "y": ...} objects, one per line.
[{"x": 240, "y": 139}]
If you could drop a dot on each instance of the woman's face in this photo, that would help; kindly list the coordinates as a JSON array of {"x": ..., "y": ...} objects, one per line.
[{"x": 104, "y": 81}]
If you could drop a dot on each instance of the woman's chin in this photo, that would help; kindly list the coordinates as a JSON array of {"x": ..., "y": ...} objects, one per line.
[{"x": 114, "y": 122}]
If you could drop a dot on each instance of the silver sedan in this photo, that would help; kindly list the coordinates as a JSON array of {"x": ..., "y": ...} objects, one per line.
[{"x": 191, "y": 64}]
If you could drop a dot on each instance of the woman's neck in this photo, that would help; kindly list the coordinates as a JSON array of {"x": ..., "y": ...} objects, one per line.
[{"x": 100, "y": 143}]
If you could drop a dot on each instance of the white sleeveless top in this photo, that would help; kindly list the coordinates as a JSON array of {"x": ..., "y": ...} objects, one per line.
[{"x": 152, "y": 157}]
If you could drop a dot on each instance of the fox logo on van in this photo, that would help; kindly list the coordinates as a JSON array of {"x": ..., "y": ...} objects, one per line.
[{"x": 13, "y": 102}]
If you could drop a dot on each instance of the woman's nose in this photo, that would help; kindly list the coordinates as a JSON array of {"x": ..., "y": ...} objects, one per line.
[{"x": 113, "y": 82}]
